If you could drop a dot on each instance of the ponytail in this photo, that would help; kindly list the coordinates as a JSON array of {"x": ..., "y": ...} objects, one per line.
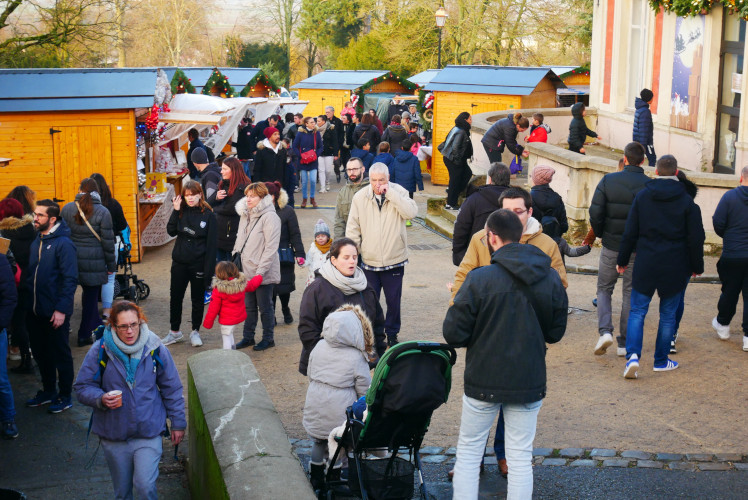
[
  {"x": 88, "y": 186},
  {"x": 520, "y": 120}
]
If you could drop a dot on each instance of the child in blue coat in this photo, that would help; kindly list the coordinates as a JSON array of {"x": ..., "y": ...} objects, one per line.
[
  {"x": 406, "y": 170},
  {"x": 384, "y": 155}
]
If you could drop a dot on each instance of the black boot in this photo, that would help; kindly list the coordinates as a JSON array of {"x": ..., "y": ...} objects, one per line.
[
  {"x": 392, "y": 340},
  {"x": 317, "y": 476},
  {"x": 26, "y": 367},
  {"x": 287, "y": 316}
]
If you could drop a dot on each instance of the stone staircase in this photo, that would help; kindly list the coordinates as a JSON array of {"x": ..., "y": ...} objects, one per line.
[{"x": 439, "y": 218}]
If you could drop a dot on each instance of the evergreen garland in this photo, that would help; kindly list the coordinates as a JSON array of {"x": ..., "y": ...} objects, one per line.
[
  {"x": 388, "y": 76},
  {"x": 686, "y": 8},
  {"x": 218, "y": 80},
  {"x": 259, "y": 79},
  {"x": 180, "y": 84}
]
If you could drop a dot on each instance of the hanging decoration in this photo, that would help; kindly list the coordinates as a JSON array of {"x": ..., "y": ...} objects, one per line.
[
  {"x": 354, "y": 100},
  {"x": 219, "y": 81},
  {"x": 180, "y": 84},
  {"x": 580, "y": 70},
  {"x": 690, "y": 8},
  {"x": 428, "y": 100},
  {"x": 259, "y": 79}
]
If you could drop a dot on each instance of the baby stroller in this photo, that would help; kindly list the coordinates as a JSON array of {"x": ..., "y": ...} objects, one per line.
[
  {"x": 126, "y": 284},
  {"x": 411, "y": 380}
]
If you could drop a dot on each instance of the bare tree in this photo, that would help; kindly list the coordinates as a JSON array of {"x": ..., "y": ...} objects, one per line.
[
  {"x": 284, "y": 15},
  {"x": 176, "y": 25}
]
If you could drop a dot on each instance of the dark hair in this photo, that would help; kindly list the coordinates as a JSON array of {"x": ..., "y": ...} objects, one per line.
[
  {"x": 520, "y": 120},
  {"x": 691, "y": 188},
  {"x": 346, "y": 116},
  {"x": 53, "y": 209},
  {"x": 277, "y": 118},
  {"x": 397, "y": 118},
  {"x": 338, "y": 244},
  {"x": 414, "y": 139},
  {"x": 307, "y": 118},
  {"x": 362, "y": 143},
  {"x": 24, "y": 195},
  {"x": 506, "y": 225},
  {"x": 461, "y": 121},
  {"x": 193, "y": 187},
  {"x": 123, "y": 306},
  {"x": 359, "y": 116},
  {"x": 288, "y": 118},
  {"x": 412, "y": 125},
  {"x": 323, "y": 118},
  {"x": 634, "y": 153},
  {"x": 193, "y": 134},
  {"x": 621, "y": 164},
  {"x": 238, "y": 177},
  {"x": 88, "y": 186},
  {"x": 539, "y": 117},
  {"x": 367, "y": 119},
  {"x": 513, "y": 193},
  {"x": 104, "y": 191},
  {"x": 299, "y": 115},
  {"x": 384, "y": 147},
  {"x": 667, "y": 165},
  {"x": 499, "y": 173},
  {"x": 226, "y": 269}
]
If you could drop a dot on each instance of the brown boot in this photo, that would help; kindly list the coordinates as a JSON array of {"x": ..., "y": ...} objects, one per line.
[
  {"x": 503, "y": 469},
  {"x": 314, "y": 203},
  {"x": 303, "y": 203}
]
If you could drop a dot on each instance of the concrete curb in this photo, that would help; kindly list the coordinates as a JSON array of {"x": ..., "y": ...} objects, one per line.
[{"x": 238, "y": 446}]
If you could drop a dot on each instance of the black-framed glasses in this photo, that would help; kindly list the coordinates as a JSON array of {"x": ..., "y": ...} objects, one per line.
[
  {"x": 40, "y": 216},
  {"x": 127, "y": 328}
]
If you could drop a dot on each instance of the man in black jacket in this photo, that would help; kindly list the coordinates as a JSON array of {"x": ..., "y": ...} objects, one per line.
[
  {"x": 210, "y": 175},
  {"x": 643, "y": 128},
  {"x": 476, "y": 209},
  {"x": 258, "y": 131},
  {"x": 504, "y": 314},
  {"x": 270, "y": 159},
  {"x": 608, "y": 212},
  {"x": 195, "y": 143},
  {"x": 243, "y": 144},
  {"x": 664, "y": 226},
  {"x": 338, "y": 127}
]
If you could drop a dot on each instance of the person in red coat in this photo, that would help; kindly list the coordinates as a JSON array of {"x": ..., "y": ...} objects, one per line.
[
  {"x": 538, "y": 131},
  {"x": 227, "y": 301}
]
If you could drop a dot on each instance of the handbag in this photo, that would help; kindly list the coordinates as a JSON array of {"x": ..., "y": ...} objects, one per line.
[
  {"x": 286, "y": 255},
  {"x": 236, "y": 257},
  {"x": 310, "y": 156}
]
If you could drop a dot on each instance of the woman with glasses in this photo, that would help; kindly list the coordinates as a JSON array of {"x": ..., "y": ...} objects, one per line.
[{"x": 131, "y": 381}]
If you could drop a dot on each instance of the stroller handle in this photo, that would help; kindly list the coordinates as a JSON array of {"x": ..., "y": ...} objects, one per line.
[{"x": 423, "y": 346}]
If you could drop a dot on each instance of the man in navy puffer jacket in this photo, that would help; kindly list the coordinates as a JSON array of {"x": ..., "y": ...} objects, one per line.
[{"x": 643, "y": 128}]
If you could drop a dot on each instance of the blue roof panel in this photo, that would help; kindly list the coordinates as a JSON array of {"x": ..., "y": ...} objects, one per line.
[
  {"x": 424, "y": 77},
  {"x": 501, "y": 80},
  {"x": 339, "y": 79}
]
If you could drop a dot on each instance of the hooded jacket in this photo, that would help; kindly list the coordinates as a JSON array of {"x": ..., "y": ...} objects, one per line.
[
  {"x": 395, "y": 135},
  {"x": 53, "y": 273},
  {"x": 545, "y": 201},
  {"x": 95, "y": 258},
  {"x": 406, "y": 171},
  {"x": 366, "y": 157},
  {"x": 259, "y": 236},
  {"x": 343, "y": 205},
  {"x": 290, "y": 237},
  {"x": 539, "y": 133},
  {"x": 369, "y": 132},
  {"x": 578, "y": 130},
  {"x": 338, "y": 370},
  {"x": 504, "y": 330},
  {"x": 227, "y": 302},
  {"x": 305, "y": 141},
  {"x": 155, "y": 395},
  {"x": 472, "y": 217},
  {"x": 385, "y": 158},
  {"x": 196, "y": 239},
  {"x": 227, "y": 220},
  {"x": 665, "y": 228},
  {"x": 503, "y": 130},
  {"x": 612, "y": 201},
  {"x": 380, "y": 233},
  {"x": 21, "y": 234},
  {"x": 730, "y": 221},
  {"x": 643, "y": 128},
  {"x": 270, "y": 165}
]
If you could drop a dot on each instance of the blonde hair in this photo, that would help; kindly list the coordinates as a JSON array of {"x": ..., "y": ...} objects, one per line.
[{"x": 258, "y": 189}]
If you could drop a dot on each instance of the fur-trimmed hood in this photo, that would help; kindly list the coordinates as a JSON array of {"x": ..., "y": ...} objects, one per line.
[
  {"x": 265, "y": 204},
  {"x": 303, "y": 130},
  {"x": 230, "y": 286},
  {"x": 342, "y": 328},
  {"x": 13, "y": 223},
  {"x": 282, "y": 199},
  {"x": 266, "y": 144}
]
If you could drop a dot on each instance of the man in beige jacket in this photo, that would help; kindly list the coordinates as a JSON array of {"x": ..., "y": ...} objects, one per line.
[{"x": 376, "y": 223}]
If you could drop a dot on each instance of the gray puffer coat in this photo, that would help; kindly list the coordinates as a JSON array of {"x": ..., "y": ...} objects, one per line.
[
  {"x": 338, "y": 370},
  {"x": 95, "y": 257}
]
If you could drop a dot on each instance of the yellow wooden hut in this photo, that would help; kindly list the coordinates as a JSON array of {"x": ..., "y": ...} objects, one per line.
[
  {"x": 62, "y": 125},
  {"x": 335, "y": 87},
  {"x": 479, "y": 89}
]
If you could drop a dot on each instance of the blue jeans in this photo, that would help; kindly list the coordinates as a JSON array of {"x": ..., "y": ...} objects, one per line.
[
  {"x": 498, "y": 439},
  {"x": 7, "y": 408},
  {"x": 665, "y": 330},
  {"x": 107, "y": 289},
  {"x": 245, "y": 166},
  {"x": 261, "y": 299},
  {"x": 679, "y": 312},
  {"x": 134, "y": 462},
  {"x": 308, "y": 179},
  {"x": 477, "y": 418}
]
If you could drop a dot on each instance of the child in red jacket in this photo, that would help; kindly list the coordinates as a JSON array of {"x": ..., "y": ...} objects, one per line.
[
  {"x": 227, "y": 301},
  {"x": 539, "y": 131}
]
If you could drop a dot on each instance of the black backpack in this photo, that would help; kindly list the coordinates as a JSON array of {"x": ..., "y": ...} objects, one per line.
[{"x": 550, "y": 224}]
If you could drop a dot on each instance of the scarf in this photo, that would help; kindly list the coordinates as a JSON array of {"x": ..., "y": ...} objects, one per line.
[
  {"x": 347, "y": 285},
  {"x": 322, "y": 128},
  {"x": 324, "y": 248},
  {"x": 129, "y": 355}
]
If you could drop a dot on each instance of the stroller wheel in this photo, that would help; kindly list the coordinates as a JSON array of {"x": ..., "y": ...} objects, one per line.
[
  {"x": 143, "y": 290},
  {"x": 133, "y": 294}
]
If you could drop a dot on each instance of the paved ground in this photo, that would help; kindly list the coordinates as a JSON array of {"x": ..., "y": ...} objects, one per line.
[{"x": 699, "y": 408}]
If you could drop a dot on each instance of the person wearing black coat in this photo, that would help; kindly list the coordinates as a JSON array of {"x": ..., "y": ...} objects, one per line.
[
  {"x": 547, "y": 202},
  {"x": 346, "y": 142},
  {"x": 195, "y": 143},
  {"x": 395, "y": 134},
  {"x": 338, "y": 126},
  {"x": 230, "y": 191},
  {"x": 643, "y": 127},
  {"x": 456, "y": 150},
  {"x": 270, "y": 158},
  {"x": 193, "y": 259},
  {"x": 664, "y": 227},
  {"x": 367, "y": 130},
  {"x": 290, "y": 238},
  {"x": 258, "y": 133},
  {"x": 330, "y": 150},
  {"x": 476, "y": 209},
  {"x": 578, "y": 130},
  {"x": 503, "y": 134},
  {"x": 242, "y": 143},
  {"x": 8, "y": 303}
]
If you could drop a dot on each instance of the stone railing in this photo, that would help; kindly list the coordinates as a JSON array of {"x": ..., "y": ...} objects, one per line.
[{"x": 238, "y": 447}]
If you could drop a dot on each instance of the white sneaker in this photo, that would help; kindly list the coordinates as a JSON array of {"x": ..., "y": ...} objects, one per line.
[
  {"x": 621, "y": 351},
  {"x": 605, "y": 341},
  {"x": 321, "y": 190},
  {"x": 745, "y": 343},
  {"x": 722, "y": 330},
  {"x": 632, "y": 367},
  {"x": 172, "y": 338},
  {"x": 195, "y": 339}
]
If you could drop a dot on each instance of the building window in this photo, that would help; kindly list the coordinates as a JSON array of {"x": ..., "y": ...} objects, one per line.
[{"x": 637, "y": 50}]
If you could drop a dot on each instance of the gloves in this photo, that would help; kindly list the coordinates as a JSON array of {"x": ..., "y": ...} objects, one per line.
[
  {"x": 301, "y": 261},
  {"x": 254, "y": 283}
]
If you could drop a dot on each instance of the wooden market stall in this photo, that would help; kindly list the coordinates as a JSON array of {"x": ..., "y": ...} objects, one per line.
[
  {"x": 479, "y": 89},
  {"x": 223, "y": 82},
  {"x": 335, "y": 87},
  {"x": 577, "y": 81}
]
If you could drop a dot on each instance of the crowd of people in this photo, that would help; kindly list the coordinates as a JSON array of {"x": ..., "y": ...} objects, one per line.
[{"x": 238, "y": 245}]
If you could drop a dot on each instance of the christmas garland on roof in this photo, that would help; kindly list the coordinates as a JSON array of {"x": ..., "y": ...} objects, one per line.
[
  {"x": 579, "y": 70},
  {"x": 259, "y": 79},
  {"x": 387, "y": 76},
  {"x": 222, "y": 82},
  {"x": 685, "y": 8},
  {"x": 180, "y": 84}
]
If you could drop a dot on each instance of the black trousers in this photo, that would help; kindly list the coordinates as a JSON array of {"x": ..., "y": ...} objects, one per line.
[
  {"x": 181, "y": 276},
  {"x": 734, "y": 276},
  {"x": 51, "y": 351},
  {"x": 651, "y": 155},
  {"x": 391, "y": 281},
  {"x": 494, "y": 155},
  {"x": 459, "y": 177}
]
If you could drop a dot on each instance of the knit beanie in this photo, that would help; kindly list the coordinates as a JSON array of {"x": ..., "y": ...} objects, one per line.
[
  {"x": 646, "y": 95},
  {"x": 273, "y": 188},
  {"x": 542, "y": 174},
  {"x": 10, "y": 207},
  {"x": 199, "y": 156},
  {"x": 321, "y": 227},
  {"x": 269, "y": 132}
]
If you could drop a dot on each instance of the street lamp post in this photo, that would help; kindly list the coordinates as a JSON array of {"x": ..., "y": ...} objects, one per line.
[{"x": 441, "y": 18}]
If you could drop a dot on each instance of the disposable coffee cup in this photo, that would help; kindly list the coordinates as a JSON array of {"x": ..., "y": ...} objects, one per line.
[{"x": 118, "y": 395}]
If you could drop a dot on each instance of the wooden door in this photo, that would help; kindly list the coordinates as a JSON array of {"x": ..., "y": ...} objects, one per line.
[{"x": 78, "y": 153}]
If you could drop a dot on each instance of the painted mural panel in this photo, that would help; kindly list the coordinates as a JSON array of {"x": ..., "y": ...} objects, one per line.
[{"x": 687, "y": 72}]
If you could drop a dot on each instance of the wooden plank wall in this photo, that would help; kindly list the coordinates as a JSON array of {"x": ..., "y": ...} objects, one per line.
[
  {"x": 447, "y": 105},
  {"x": 544, "y": 96},
  {"x": 26, "y": 138},
  {"x": 319, "y": 98}
]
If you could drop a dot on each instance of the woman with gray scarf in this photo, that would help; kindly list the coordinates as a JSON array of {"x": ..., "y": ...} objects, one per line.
[{"x": 339, "y": 281}]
